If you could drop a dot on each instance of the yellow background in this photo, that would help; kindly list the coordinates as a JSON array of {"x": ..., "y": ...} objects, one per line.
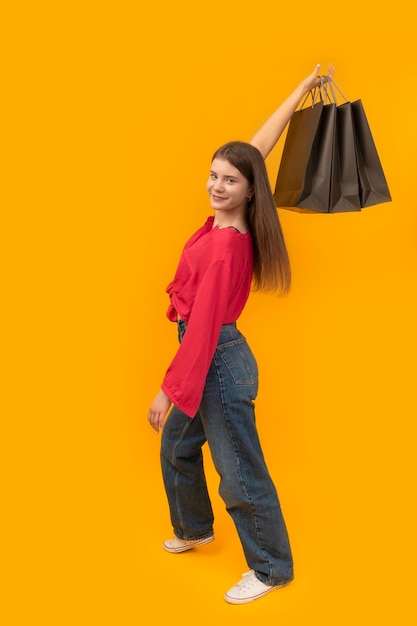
[{"x": 112, "y": 112}]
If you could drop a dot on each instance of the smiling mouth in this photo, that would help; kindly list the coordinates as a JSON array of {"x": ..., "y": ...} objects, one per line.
[{"x": 218, "y": 197}]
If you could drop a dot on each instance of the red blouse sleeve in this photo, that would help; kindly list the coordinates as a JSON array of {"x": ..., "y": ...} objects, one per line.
[{"x": 186, "y": 376}]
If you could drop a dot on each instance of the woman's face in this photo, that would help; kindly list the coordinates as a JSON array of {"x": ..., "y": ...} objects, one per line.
[{"x": 228, "y": 188}]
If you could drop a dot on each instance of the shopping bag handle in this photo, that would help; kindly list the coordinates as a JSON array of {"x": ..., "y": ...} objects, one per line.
[
  {"x": 322, "y": 91},
  {"x": 330, "y": 82},
  {"x": 313, "y": 94}
]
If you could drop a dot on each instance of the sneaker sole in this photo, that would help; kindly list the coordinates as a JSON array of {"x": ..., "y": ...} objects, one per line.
[
  {"x": 232, "y": 600},
  {"x": 190, "y": 546}
]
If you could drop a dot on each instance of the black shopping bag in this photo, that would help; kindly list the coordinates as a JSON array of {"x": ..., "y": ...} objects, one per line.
[
  {"x": 344, "y": 193},
  {"x": 372, "y": 181},
  {"x": 336, "y": 171},
  {"x": 330, "y": 182},
  {"x": 306, "y": 132},
  {"x": 318, "y": 177}
]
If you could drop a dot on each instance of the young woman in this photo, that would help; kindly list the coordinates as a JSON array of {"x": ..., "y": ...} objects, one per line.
[{"x": 212, "y": 381}]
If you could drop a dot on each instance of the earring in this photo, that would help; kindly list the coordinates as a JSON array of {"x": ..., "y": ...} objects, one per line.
[{"x": 249, "y": 198}]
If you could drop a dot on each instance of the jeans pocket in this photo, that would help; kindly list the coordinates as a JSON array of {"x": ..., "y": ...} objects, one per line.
[{"x": 239, "y": 360}]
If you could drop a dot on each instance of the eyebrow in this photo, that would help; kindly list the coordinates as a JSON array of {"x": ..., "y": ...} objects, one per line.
[{"x": 226, "y": 175}]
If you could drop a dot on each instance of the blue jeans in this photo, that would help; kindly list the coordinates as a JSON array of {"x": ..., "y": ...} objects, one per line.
[{"x": 226, "y": 420}]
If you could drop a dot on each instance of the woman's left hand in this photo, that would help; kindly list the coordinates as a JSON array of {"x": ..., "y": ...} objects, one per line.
[
  {"x": 314, "y": 80},
  {"x": 158, "y": 410}
]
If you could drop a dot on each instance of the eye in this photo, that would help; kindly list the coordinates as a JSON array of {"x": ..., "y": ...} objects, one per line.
[
  {"x": 213, "y": 176},
  {"x": 231, "y": 180}
]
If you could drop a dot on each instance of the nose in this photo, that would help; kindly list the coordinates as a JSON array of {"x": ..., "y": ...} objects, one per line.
[{"x": 218, "y": 185}]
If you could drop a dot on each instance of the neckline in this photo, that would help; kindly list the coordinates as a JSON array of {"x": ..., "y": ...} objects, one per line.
[
  {"x": 218, "y": 227},
  {"x": 236, "y": 230}
]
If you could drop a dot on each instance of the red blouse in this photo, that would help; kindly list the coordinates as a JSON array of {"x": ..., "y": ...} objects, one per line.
[{"x": 210, "y": 288}]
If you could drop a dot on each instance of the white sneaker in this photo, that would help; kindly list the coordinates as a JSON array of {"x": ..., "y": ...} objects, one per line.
[
  {"x": 181, "y": 545},
  {"x": 248, "y": 589}
]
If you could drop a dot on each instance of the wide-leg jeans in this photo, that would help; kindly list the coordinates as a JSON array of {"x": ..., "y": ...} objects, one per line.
[{"x": 226, "y": 420}]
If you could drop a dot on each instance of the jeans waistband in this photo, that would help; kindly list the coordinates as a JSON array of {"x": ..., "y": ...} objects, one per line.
[
  {"x": 183, "y": 325},
  {"x": 231, "y": 328}
]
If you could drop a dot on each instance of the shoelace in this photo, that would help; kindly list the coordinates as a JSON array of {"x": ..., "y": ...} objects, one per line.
[{"x": 248, "y": 579}]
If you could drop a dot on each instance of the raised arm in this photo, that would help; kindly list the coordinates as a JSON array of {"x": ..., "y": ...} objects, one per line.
[{"x": 268, "y": 135}]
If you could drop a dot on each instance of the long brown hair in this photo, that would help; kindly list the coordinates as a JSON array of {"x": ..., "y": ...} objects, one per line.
[{"x": 271, "y": 269}]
